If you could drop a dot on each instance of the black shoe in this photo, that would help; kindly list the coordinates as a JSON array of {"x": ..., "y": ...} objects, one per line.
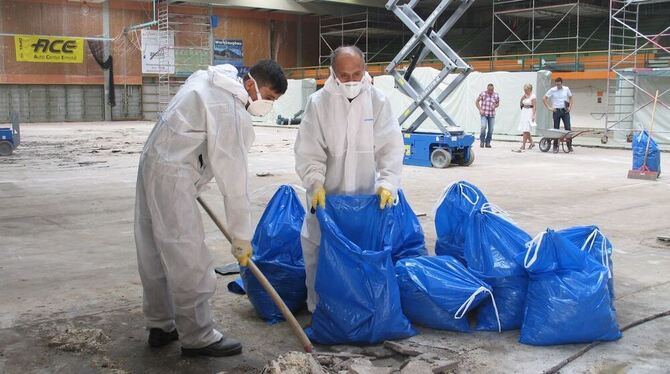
[
  {"x": 481, "y": 145},
  {"x": 569, "y": 149},
  {"x": 555, "y": 149},
  {"x": 223, "y": 348},
  {"x": 488, "y": 145},
  {"x": 159, "y": 338}
]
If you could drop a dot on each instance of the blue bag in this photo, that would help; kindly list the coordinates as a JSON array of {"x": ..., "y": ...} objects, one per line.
[
  {"x": 408, "y": 240},
  {"x": 359, "y": 301},
  {"x": 594, "y": 242},
  {"x": 278, "y": 255},
  {"x": 451, "y": 214},
  {"x": 639, "y": 150},
  {"x": 568, "y": 299},
  {"x": 438, "y": 291},
  {"x": 492, "y": 245}
]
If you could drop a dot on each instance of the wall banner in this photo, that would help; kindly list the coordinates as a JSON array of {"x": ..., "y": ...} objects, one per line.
[{"x": 36, "y": 48}]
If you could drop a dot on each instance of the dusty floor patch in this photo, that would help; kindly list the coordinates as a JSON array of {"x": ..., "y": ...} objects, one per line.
[{"x": 74, "y": 339}]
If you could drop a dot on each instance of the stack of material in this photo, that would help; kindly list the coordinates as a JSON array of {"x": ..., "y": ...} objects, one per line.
[
  {"x": 568, "y": 295},
  {"x": 278, "y": 254},
  {"x": 359, "y": 299}
]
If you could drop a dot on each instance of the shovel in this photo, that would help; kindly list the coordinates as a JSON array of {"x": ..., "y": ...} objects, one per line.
[{"x": 295, "y": 326}]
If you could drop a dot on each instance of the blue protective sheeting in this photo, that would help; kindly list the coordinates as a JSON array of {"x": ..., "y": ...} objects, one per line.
[
  {"x": 640, "y": 148},
  {"x": 278, "y": 255},
  {"x": 568, "y": 299},
  {"x": 591, "y": 240},
  {"x": 438, "y": 292},
  {"x": 492, "y": 244},
  {"x": 408, "y": 239},
  {"x": 458, "y": 202},
  {"x": 359, "y": 300}
]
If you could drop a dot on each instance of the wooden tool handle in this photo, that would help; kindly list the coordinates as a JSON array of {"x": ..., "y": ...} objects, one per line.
[{"x": 295, "y": 326}]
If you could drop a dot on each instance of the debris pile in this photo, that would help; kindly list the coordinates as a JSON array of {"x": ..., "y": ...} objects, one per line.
[{"x": 72, "y": 339}]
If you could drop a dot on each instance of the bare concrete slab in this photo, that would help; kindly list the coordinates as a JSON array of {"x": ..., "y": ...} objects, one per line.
[{"x": 67, "y": 256}]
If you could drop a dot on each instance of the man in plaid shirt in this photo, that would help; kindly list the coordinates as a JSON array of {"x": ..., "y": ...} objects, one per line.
[{"x": 486, "y": 103}]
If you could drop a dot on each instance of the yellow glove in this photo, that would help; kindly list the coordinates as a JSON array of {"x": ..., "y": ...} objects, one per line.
[
  {"x": 241, "y": 249},
  {"x": 319, "y": 198},
  {"x": 385, "y": 197}
]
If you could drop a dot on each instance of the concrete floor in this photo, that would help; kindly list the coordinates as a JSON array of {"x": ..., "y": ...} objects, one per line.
[{"x": 67, "y": 258}]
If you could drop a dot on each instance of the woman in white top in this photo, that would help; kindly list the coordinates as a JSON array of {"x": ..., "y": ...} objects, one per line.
[{"x": 527, "y": 104}]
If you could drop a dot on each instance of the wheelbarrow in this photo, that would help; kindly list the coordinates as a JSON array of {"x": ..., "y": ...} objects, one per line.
[{"x": 562, "y": 136}]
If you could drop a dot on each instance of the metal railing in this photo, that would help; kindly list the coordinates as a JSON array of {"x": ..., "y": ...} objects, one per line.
[{"x": 562, "y": 61}]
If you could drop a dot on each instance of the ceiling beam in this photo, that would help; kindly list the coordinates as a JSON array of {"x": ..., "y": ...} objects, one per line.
[
  {"x": 367, "y": 3},
  {"x": 289, "y": 6}
]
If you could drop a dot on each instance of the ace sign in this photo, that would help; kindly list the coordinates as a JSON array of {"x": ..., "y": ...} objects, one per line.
[{"x": 35, "y": 48}]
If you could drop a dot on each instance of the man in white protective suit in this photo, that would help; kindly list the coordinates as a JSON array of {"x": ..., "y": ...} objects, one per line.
[
  {"x": 349, "y": 143},
  {"x": 204, "y": 132}
]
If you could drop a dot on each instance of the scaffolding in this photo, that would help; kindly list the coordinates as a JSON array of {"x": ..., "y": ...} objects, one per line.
[
  {"x": 374, "y": 31},
  {"x": 626, "y": 95},
  {"x": 539, "y": 27},
  {"x": 186, "y": 45}
]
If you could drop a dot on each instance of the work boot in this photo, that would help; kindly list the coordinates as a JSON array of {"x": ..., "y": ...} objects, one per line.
[
  {"x": 481, "y": 145},
  {"x": 159, "y": 338},
  {"x": 555, "y": 149},
  {"x": 223, "y": 348},
  {"x": 488, "y": 145}
]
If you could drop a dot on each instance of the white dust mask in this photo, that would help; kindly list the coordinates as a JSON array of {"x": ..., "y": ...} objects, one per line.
[
  {"x": 349, "y": 89},
  {"x": 260, "y": 106}
]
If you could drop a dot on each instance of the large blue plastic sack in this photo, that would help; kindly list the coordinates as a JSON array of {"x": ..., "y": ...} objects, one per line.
[
  {"x": 278, "y": 255},
  {"x": 452, "y": 212},
  {"x": 568, "y": 299},
  {"x": 492, "y": 245},
  {"x": 359, "y": 300},
  {"x": 408, "y": 239},
  {"x": 438, "y": 292},
  {"x": 591, "y": 240},
  {"x": 640, "y": 148}
]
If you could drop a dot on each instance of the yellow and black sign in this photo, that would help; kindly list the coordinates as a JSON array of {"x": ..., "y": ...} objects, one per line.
[{"x": 36, "y": 48}]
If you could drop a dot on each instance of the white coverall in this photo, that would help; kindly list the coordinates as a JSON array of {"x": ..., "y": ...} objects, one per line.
[
  {"x": 205, "y": 132},
  {"x": 350, "y": 148}
]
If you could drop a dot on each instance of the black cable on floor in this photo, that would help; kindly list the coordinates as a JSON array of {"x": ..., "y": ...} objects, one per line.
[{"x": 562, "y": 364}]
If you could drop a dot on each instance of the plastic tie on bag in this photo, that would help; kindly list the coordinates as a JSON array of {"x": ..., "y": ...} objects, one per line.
[
  {"x": 604, "y": 256},
  {"x": 535, "y": 242},
  {"x": 466, "y": 305}
]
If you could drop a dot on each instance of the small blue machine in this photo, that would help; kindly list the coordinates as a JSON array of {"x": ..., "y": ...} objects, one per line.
[
  {"x": 10, "y": 138},
  {"x": 451, "y": 145},
  {"x": 438, "y": 150}
]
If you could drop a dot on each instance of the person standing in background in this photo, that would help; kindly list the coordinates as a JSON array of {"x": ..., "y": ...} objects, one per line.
[
  {"x": 486, "y": 103},
  {"x": 561, "y": 105},
  {"x": 527, "y": 116}
]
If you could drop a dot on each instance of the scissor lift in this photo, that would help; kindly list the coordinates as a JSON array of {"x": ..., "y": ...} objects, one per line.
[{"x": 451, "y": 144}]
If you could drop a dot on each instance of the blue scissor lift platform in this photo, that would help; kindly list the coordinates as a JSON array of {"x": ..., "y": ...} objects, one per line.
[
  {"x": 10, "y": 137},
  {"x": 451, "y": 144}
]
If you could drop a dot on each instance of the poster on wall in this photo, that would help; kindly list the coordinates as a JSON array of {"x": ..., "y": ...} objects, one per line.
[
  {"x": 157, "y": 52},
  {"x": 229, "y": 51},
  {"x": 188, "y": 61},
  {"x": 37, "y": 48}
]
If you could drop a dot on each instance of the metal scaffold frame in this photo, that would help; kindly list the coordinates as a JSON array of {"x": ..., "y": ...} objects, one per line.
[
  {"x": 186, "y": 42},
  {"x": 568, "y": 19},
  {"x": 624, "y": 89},
  {"x": 370, "y": 31}
]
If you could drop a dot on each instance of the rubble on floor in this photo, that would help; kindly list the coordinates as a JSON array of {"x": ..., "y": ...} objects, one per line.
[
  {"x": 73, "y": 339},
  {"x": 366, "y": 360}
]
